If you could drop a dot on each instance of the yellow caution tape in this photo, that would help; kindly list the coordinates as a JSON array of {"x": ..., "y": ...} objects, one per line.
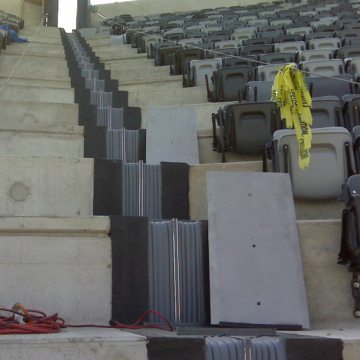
[{"x": 292, "y": 96}]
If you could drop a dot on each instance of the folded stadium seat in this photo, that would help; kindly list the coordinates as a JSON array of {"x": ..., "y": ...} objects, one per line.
[
  {"x": 258, "y": 91},
  {"x": 190, "y": 41},
  {"x": 289, "y": 37},
  {"x": 243, "y": 60},
  {"x": 164, "y": 55},
  {"x": 332, "y": 162},
  {"x": 174, "y": 34},
  {"x": 215, "y": 38},
  {"x": 244, "y": 128},
  {"x": 195, "y": 34},
  {"x": 229, "y": 83},
  {"x": 213, "y": 53},
  {"x": 331, "y": 29},
  {"x": 270, "y": 34},
  {"x": 278, "y": 58},
  {"x": 329, "y": 20},
  {"x": 247, "y": 18},
  {"x": 324, "y": 43},
  {"x": 300, "y": 30},
  {"x": 197, "y": 69},
  {"x": 208, "y": 22},
  {"x": 178, "y": 63},
  {"x": 257, "y": 49},
  {"x": 308, "y": 13},
  {"x": 258, "y": 22},
  {"x": 355, "y": 25},
  {"x": 352, "y": 66},
  {"x": 267, "y": 72},
  {"x": 356, "y": 146},
  {"x": 351, "y": 110},
  {"x": 283, "y": 22},
  {"x": 350, "y": 237},
  {"x": 318, "y": 35},
  {"x": 337, "y": 86},
  {"x": 347, "y": 35},
  {"x": 258, "y": 41},
  {"x": 292, "y": 46},
  {"x": 327, "y": 112},
  {"x": 348, "y": 52},
  {"x": 193, "y": 28},
  {"x": 242, "y": 36},
  {"x": 227, "y": 44},
  {"x": 312, "y": 55},
  {"x": 322, "y": 67},
  {"x": 146, "y": 42}
]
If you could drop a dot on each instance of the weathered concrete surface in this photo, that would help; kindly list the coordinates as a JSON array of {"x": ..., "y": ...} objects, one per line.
[
  {"x": 34, "y": 67},
  {"x": 129, "y": 64},
  {"x": 177, "y": 96},
  {"x": 37, "y": 94},
  {"x": 203, "y": 111},
  {"x": 75, "y": 344},
  {"x": 144, "y": 73},
  {"x": 328, "y": 284},
  {"x": 162, "y": 84},
  {"x": 40, "y": 186},
  {"x": 305, "y": 209},
  {"x": 16, "y": 114},
  {"x": 65, "y": 141},
  {"x": 34, "y": 49},
  {"x": 57, "y": 265},
  {"x": 35, "y": 82}
]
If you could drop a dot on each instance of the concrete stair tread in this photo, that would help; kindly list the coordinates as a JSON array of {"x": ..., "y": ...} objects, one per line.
[
  {"x": 79, "y": 344},
  {"x": 32, "y": 115},
  {"x": 44, "y": 129}
]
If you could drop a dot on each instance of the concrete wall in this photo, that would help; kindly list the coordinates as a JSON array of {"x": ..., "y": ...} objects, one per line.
[
  {"x": 26, "y": 10},
  {"x": 147, "y": 7}
]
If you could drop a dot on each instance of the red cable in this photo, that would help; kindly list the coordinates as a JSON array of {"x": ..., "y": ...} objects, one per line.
[{"x": 37, "y": 322}]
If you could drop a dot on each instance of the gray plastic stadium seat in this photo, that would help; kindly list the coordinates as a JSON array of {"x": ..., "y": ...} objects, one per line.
[
  {"x": 227, "y": 44},
  {"x": 258, "y": 91},
  {"x": 327, "y": 112},
  {"x": 197, "y": 69},
  {"x": 291, "y": 46},
  {"x": 190, "y": 41},
  {"x": 245, "y": 128},
  {"x": 312, "y": 55},
  {"x": 301, "y": 30},
  {"x": 353, "y": 65},
  {"x": 267, "y": 72},
  {"x": 321, "y": 86},
  {"x": 348, "y": 52},
  {"x": 258, "y": 41},
  {"x": 322, "y": 67},
  {"x": 278, "y": 58},
  {"x": 330, "y": 165},
  {"x": 351, "y": 110},
  {"x": 229, "y": 83},
  {"x": 257, "y": 49},
  {"x": 324, "y": 43}
]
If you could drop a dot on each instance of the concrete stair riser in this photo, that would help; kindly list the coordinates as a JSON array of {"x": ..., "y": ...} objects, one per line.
[{"x": 40, "y": 186}]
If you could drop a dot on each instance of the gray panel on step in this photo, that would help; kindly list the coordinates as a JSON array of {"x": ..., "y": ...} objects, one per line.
[
  {"x": 142, "y": 190},
  {"x": 95, "y": 84},
  {"x": 101, "y": 98},
  {"x": 256, "y": 274},
  {"x": 176, "y": 275},
  {"x": 172, "y": 136},
  {"x": 235, "y": 348},
  {"x": 122, "y": 145},
  {"x": 112, "y": 118}
]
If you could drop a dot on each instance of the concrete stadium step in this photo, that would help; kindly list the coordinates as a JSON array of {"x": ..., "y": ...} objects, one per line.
[
  {"x": 164, "y": 83},
  {"x": 38, "y": 94},
  {"x": 49, "y": 50},
  {"x": 203, "y": 111},
  {"x": 42, "y": 30},
  {"x": 350, "y": 339},
  {"x": 115, "y": 51},
  {"x": 46, "y": 186},
  {"x": 175, "y": 97},
  {"x": 33, "y": 115},
  {"x": 34, "y": 67},
  {"x": 35, "y": 82},
  {"x": 125, "y": 57},
  {"x": 64, "y": 141},
  {"x": 75, "y": 344},
  {"x": 131, "y": 64},
  {"x": 145, "y": 73},
  {"x": 57, "y": 265},
  {"x": 305, "y": 209}
]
